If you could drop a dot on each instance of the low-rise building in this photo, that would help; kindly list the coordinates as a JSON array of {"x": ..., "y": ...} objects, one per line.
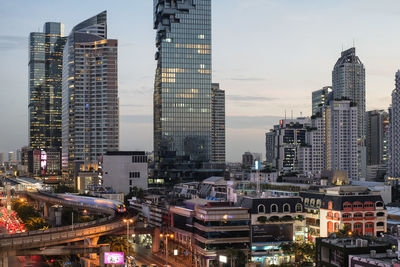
[
  {"x": 274, "y": 220},
  {"x": 336, "y": 251},
  {"x": 124, "y": 170},
  {"x": 207, "y": 228}
]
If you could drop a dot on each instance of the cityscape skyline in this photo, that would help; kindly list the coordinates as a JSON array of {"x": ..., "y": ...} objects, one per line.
[{"x": 263, "y": 88}]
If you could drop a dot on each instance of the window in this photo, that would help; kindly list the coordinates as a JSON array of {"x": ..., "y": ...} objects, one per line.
[
  {"x": 380, "y": 224},
  {"x": 299, "y": 207},
  {"x": 346, "y": 215},
  {"x": 130, "y": 182},
  {"x": 330, "y": 205},
  {"x": 358, "y": 226},
  {"x": 357, "y": 205},
  {"x": 312, "y": 202},
  {"x": 380, "y": 214},
  {"x": 369, "y": 215},
  {"x": 318, "y": 203},
  {"x": 347, "y": 205},
  {"x": 369, "y": 225},
  {"x": 286, "y": 208},
  {"x": 306, "y": 201},
  {"x": 134, "y": 174},
  {"x": 139, "y": 159},
  {"x": 261, "y": 209},
  {"x": 369, "y": 205},
  {"x": 274, "y": 208},
  {"x": 358, "y": 215},
  {"x": 379, "y": 204}
]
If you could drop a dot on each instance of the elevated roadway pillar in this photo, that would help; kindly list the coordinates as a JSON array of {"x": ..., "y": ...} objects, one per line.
[{"x": 155, "y": 248}]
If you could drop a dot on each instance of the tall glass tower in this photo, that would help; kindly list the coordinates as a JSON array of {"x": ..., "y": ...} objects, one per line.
[
  {"x": 182, "y": 89},
  {"x": 45, "y": 76}
]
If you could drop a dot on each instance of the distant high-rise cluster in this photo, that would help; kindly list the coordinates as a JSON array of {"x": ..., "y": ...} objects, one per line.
[
  {"x": 333, "y": 138},
  {"x": 218, "y": 124}
]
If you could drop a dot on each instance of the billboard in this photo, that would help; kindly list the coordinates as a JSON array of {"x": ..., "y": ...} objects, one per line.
[
  {"x": 113, "y": 258},
  {"x": 272, "y": 233}
]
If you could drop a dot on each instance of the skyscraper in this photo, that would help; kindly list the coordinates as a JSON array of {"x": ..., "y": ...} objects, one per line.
[
  {"x": 377, "y": 123},
  {"x": 340, "y": 118},
  {"x": 45, "y": 90},
  {"x": 90, "y": 114},
  {"x": 394, "y": 132},
  {"x": 182, "y": 89},
  {"x": 348, "y": 82},
  {"x": 218, "y": 123},
  {"x": 321, "y": 98}
]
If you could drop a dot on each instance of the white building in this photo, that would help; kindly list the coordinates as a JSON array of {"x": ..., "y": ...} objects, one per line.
[
  {"x": 341, "y": 137},
  {"x": 124, "y": 170}
]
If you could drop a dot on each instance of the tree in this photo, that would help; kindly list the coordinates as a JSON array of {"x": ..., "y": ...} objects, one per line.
[
  {"x": 25, "y": 211},
  {"x": 117, "y": 244},
  {"x": 304, "y": 252},
  {"x": 36, "y": 223},
  {"x": 62, "y": 188}
]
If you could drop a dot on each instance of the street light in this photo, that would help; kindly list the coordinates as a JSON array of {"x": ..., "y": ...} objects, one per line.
[
  {"x": 166, "y": 245},
  {"x": 127, "y": 221}
]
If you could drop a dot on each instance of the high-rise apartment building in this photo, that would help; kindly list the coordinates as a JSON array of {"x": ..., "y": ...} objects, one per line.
[
  {"x": 321, "y": 98},
  {"x": 377, "y": 125},
  {"x": 182, "y": 90},
  {"x": 393, "y": 169},
  {"x": 45, "y": 90},
  {"x": 218, "y": 123},
  {"x": 90, "y": 114},
  {"x": 289, "y": 136},
  {"x": 348, "y": 82},
  {"x": 340, "y": 118},
  {"x": 270, "y": 151}
]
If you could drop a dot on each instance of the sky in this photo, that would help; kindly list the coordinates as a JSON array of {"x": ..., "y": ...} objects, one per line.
[{"x": 268, "y": 56}]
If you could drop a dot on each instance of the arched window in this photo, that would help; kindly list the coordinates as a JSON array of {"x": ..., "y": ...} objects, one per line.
[
  {"x": 369, "y": 204},
  {"x": 318, "y": 203},
  {"x": 330, "y": 205},
  {"x": 346, "y": 215},
  {"x": 380, "y": 214},
  {"x": 358, "y": 215},
  {"x": 369, "y": 225},
  {"x": 336, "y": 227},
  {"x": 369, "y": 215},
  {"x": 312, "y": 202},
  {"x": 380, "y": 224},
  {"x": 336, "y": 215},
  {"x": 330, "y": 215},
  {"x": 379, "y": 204},
  {"x": 347, "y": 206},
  {"x": 261, "y": 208},
  {"x": 286, "y": 207},
  {"x": 330, "y": 227},
  {"x": 299, "y": 207},
  {"x": 357, "y": 205},
  {"x": 274, "y": 208},
  {"x": 306, "y": 201}
]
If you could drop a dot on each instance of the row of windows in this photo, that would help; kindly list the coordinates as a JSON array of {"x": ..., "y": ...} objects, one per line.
[
  {"x": 134, "y": 175},
  {"x": 274, "y": 208}
]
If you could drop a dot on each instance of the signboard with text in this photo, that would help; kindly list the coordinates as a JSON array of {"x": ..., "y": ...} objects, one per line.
[{"x": 113, "y": 258}]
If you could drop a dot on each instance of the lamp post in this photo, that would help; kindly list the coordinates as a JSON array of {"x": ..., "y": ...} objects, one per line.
[
  {"x": 166, "y": 245},
  {"x": 127, "y": 221}
]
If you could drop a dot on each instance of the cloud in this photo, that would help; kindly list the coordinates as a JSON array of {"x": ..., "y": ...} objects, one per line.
[
  {"x": 249, "y": 98},
  {"x": 8, "y": 42}
]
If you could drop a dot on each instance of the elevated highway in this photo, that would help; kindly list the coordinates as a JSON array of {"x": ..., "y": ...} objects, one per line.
[{"x": 21, "y": 243}]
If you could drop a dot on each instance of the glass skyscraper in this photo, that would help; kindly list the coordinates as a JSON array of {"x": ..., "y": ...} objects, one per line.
[
  {"x": 90, "y": 114},
  {"x": 45, "y": 90},
  {"x": 182, "y": 89}
]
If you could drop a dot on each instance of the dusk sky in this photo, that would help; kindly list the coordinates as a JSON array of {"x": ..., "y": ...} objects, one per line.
[{"x": 268, "y": 56}]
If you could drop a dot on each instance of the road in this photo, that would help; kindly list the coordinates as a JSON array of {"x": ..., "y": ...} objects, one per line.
[{"x": 145, "y": 256}]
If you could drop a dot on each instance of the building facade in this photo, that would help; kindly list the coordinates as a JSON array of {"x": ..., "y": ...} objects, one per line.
[
  {"x": 394, "y": 132},
  {"x": 341, "y": 137},
  {"x": 45, "y": 86},
  {"x": 124, "y": 170},
  {"x": 90, "y": 115},
  {"x": 376, "y": 142},
  {"x": 348, "y": 82},
  {"x": 218, "y": 123},
  {"x": 321, "y": 98},
  {"x": 182, "y": 89}
]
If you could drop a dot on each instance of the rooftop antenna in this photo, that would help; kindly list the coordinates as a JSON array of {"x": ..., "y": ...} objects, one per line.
[{"x": 301, "y": 114}]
